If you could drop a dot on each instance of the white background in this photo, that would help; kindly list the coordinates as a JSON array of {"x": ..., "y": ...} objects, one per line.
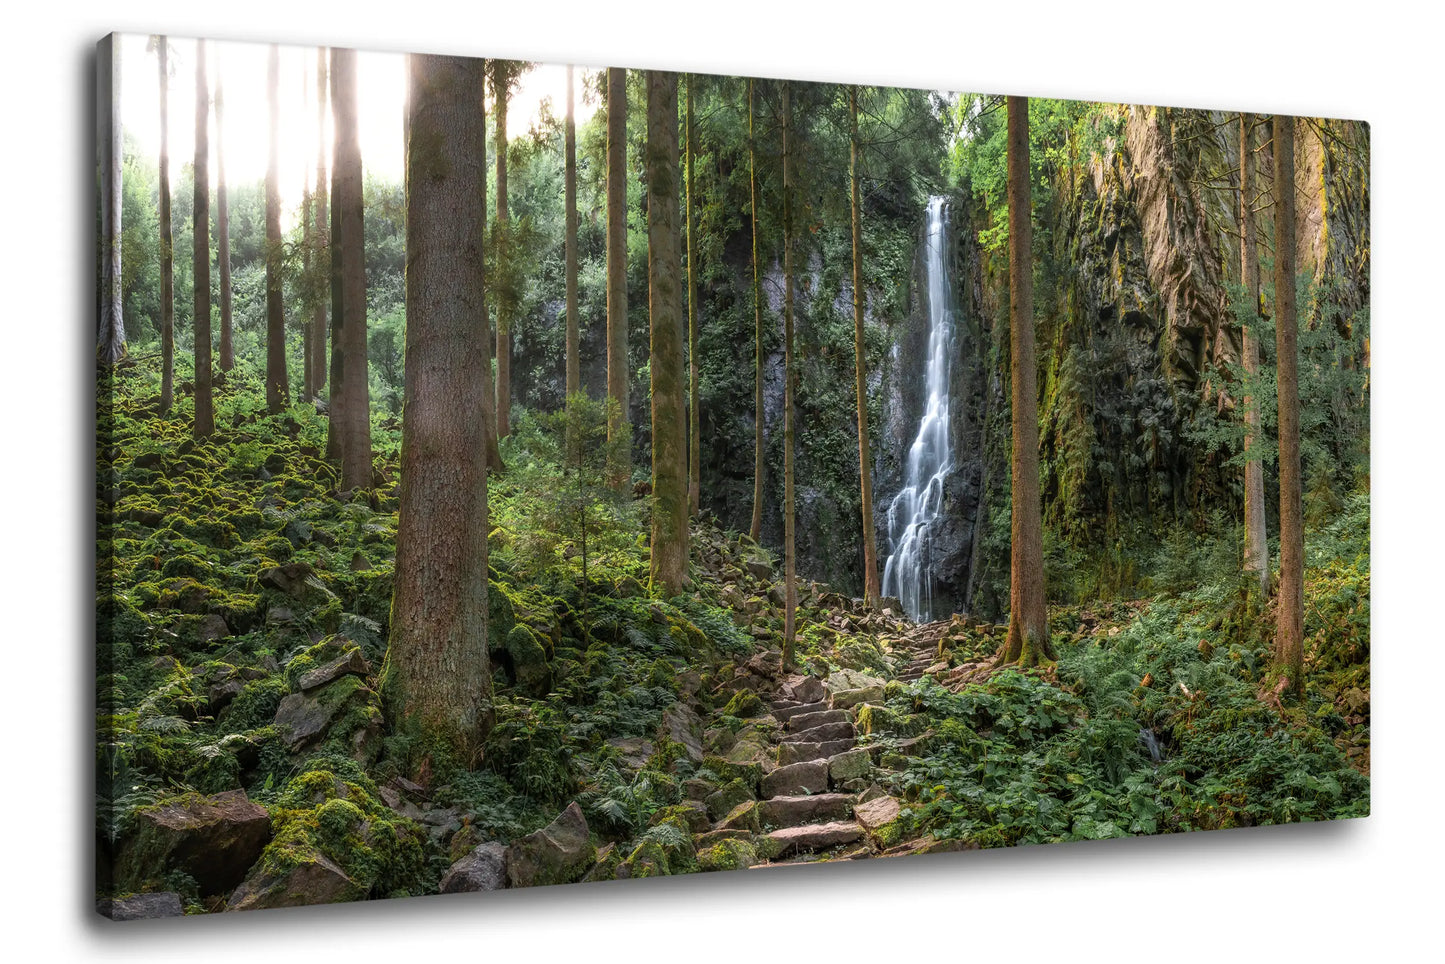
[{"x": 1367, "y": 890}]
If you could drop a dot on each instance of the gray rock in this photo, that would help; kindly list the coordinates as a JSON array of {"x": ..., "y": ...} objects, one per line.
[
  {"x": 802, "y": 752},
  {"x": 635, "y": 751},
  {"x": 680, "y": 724},
  {"x": 803, "y": 689},
  {"x": 557, "y": 854},
  {"x": 805, "y": 721},
  {"x": 807, "y": 777},
  {"x": 142, "y": 907},
  {"x": 819, "y": 836},
  {"x": 793, "y": 811},
  {"x": 215, "y": 839},
  {"x": 315, "y": 880},
  {"x": 821, "y": 734},
  {"x": 849, "y": 765},
  {"x": 876, "y": 813},
  {"x": 843, "y": 699},
  {"x": 720, "y": 802},
  {"x": 485, "y": 868},
  {"x": 349, "y": 663}
]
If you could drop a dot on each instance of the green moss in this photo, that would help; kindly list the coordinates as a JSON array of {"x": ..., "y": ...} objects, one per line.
[
  {"x": 727, "y": 855},
  {"x": 744, "y": 705}
]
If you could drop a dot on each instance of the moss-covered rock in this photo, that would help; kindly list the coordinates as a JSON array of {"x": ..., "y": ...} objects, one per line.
[
  {"x": 213, "y": 839},
  {"x": 728, "y": 855}
]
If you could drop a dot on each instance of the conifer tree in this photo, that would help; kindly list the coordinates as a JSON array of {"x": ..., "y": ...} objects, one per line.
[
  {"x": 168, "y": 284},
  {"x": 574, "y": 366},
  {"x": 277, "y": 387},
  {"x": 755, "y": 528},
  {"x": 1289, "y": 631},
  {"x": 205, "y": 416},
  {"x": 1256, "y": 539},
  {"x": 618, "y": 370},
  {"x": 790, "y": 562},
  {"x": 227, "y": 359},
  {"x": 865, "y": 467}
]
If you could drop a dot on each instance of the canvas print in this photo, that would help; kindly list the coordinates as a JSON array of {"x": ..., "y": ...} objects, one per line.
[{"x": 513, "y": 474}]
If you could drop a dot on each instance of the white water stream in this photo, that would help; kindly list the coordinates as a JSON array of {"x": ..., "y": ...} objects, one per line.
[{"x": 913, "y": 510}]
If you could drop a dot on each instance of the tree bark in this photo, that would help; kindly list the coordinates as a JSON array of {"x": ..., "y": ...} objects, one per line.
[
  {"x": 790, "y": 574},
  {"x": 694, "y": 445},
  {"x": 205, "y": 423},
  {"x": 436, "y": 679},
  {"x": 871, "y": 591},
  {"x": 574, "y": 365},
  {"x": 618, "y": 370},
  {"x": 168, "y": 277},
  {"x": 501, "y": 80},
  {"x": 350, "y": 393},
  {"x": 494, "y": 454},
  {"x": 110, "y": 339},
  {"x": 1256, "y": 539},
  {"x": 1289, "y": 633},
  {"x": 664, "y": 302},
  {"x": 320, "y": 215},
  {"x": 308, "y": 266},
  {"x": 277, "y": 389},
  {"x": 755, "y": 528},
  {"x": 1028, "y": 631},
  {"x": 223, "y": 233}
]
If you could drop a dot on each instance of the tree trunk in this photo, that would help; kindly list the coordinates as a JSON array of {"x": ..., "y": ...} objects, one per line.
[
  {"x": 350, "y": 394},
  {"x": 168, "y": 276},
  {"x": 1289, "y": 633},
  {"x": 790, "y": 575},
  {"x": 201, "y": 255},
  {"x": 223, "y": 233},
  {"x": 1028, "y": 631},
  {"x": 664, "y": 303},
  {"x": 308, "y": 266},
  {"x": 501, "y": 74},
  {"x": 1256, "y": 539},
  {"x": 320, "y": 214},
  {"x": 618, "y": 370},
  {"x": 860, "y": 365},
  {"x": 277, "y": 393},
  {"x": 110, "y": 340},
  {"x": 694, "y": 445},
  {"x": 755, "y": 528},
  {"x": 494, "y": 454},
  {"x": 436, "y": 679},
  {"x": 574, "y": 366}
]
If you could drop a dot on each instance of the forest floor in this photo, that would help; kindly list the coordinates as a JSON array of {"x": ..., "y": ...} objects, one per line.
[{"x": 244, "y": 759}]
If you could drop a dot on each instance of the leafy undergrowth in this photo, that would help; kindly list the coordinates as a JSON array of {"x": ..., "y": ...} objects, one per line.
[{"x": 1158, "y": 719}]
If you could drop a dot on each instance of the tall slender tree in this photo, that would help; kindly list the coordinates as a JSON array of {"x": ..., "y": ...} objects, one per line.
[
  {"x": 501, "y": 90},
  {"x": 320, "y": 216},
  {"x": 436, "y": 677},
  {"x": 1256, "y": 541},
  {"x": 618, "y": 370},
  {"x": 694, "y": 445},
  {"x": 1028, "y": 640},
  {"x": 664, "y": 303},
  {"x": 494, "y": 454},
  {"x": 574, "y": 366},
  {"x": 755, "y": 528},
  {"x": 865, "y": 466},
  {"x": 223, "y": 229},
  {"x": 790, "y": 563},
  {"x": 350, "y": 423},
  {"x": 168, "y": 277},
  {"x": 308, "y": 268},
  {"x": 110, "y": 337},
  {"x": 201, "y": 254},
  {"x": 1289, "y": 632},
  {"x": 277, "y": 393}
]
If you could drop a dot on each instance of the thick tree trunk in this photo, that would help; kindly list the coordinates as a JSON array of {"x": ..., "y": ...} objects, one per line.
[
  {"x": 694, "y": 445},
  {"x": 436, "y": 680},
  {"x": 574, "y": 365},
  {"x": 755, "y": 528},
  {"x": 110, "y": 339},
  {"x": 618, "y": 371},
  {"x": 501, "y": 75},
  {"x": 860, "y": 365},
  {"x": 319, "y": 212},
  {"x": 201, "y": 255},
  {"x": 223, "y": 233},
  {"x": 350, "y": 394},
  {"x": 1256, "y": 539},
  {"x": 790, "y": 573},
  {"x": 1028, "y": 631},
  {"x": 664, "y": 303},
  {"x": 1289, "y": 633},
  {"x": 277, "y": 389},
  {"x": 168, "y": 271}
]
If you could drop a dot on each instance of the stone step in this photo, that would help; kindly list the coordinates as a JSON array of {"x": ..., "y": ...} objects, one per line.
[
  {"x": 785, "y": 710},
  {"x": 810, "y": 776},
  {"x": 796, "y": 811},
  {"x": 802, "y": 752},
  {"x": 817, "y": 836},
  {"x": 822, "y": 734},
  {"x": 805, "y": 721}
]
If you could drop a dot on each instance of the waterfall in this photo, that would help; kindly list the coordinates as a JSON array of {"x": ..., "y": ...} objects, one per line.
[{"x": 913, "y": 510}]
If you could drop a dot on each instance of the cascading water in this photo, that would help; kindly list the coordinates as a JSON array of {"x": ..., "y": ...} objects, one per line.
[{"x": 913, "y": 511}]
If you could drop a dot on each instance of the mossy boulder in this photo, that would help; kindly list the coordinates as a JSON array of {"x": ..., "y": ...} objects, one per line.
[
  {"x": 346, "y": 713},
  {"x": 744, "y": 705},
  {"x": 529, "y": 659},
  {"x": 727, "y": 855},
  {"x": 214, "y": 839},
  {"x": 721, "y": 802}
]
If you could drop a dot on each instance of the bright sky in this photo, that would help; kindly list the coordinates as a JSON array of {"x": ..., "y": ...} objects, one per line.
[{"x": 241, "y": 67}]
